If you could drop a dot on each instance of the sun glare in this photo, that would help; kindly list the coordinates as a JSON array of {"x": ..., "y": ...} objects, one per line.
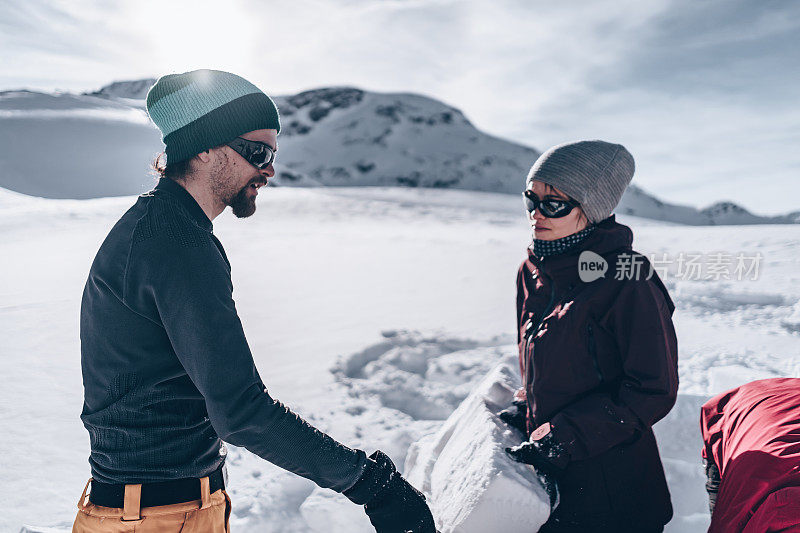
[{"x": 201, "y": 34}]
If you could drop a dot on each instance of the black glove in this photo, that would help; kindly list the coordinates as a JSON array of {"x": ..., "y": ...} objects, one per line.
[
  {"x": 391, "y": 503},
  {"x": 547, "y": 456},
  {"x": 515, "y": 416},
  {"x": 712, "y": 483}
]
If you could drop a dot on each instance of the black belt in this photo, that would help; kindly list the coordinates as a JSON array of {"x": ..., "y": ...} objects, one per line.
[{"x": 156, "y": 493}]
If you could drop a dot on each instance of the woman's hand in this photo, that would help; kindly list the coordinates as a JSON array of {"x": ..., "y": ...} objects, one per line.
[
  {"x": 519, "y": 394},
  {"x": 542, "y": 451},
  {"x": 546, "y": 455},
  {"x": 515, "y": 416}
]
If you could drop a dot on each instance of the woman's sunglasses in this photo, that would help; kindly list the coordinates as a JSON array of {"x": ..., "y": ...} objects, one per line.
[
  {"x": 549, "y": 206},
  {"x": 258, "y": 154}
]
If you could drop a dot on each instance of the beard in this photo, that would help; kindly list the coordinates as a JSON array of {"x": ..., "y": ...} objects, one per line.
[
  {"x": 242, "y": 204},
  {"x": 222, "y": 184}
]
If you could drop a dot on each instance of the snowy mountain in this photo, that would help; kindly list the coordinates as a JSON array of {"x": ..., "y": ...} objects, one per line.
[
  {"x": 134, "y": 90},
  {"x": 636, "y": 201},
  {"x": 101, "y": 144},
  {"x": 345, "y": 136}
]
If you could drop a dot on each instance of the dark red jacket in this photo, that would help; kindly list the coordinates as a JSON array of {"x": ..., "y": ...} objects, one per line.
[
  {"x": 752, "y": 433},
  {"x": 599, "y": 362}
]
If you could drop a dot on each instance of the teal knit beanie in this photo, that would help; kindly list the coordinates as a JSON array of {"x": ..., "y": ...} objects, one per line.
[{"x": 202, "y": 109}]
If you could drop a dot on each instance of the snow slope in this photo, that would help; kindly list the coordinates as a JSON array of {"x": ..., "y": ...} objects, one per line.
[
  {"x": 373, "y": 312},
  {"x": 70, "y": 146},
  {"x": 101, "y": 144}
]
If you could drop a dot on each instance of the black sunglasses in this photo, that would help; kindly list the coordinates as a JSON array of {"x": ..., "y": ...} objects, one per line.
[
  {"x": 260, "y": 155},
  {"x": 548, "y": 206}
]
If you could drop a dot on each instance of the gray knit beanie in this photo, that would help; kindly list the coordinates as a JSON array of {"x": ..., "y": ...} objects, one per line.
[
  {"x": 202, "y": 109},
  {"x": 595, "y": 173}
]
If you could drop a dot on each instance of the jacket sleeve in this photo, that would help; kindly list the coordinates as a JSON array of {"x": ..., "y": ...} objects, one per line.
[
  {"x": 191, "y": 290},
  {"x": 712, "y": 422},
  {"x": 645, "y": 335}
]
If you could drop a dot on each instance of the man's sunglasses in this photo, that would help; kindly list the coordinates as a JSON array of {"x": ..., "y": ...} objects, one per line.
[
  {"x": 549, "y": 206},
  {"x": 260, "y": 155}
]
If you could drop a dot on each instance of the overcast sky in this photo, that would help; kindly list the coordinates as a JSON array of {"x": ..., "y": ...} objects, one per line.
[{"x": 704, "y": 94}]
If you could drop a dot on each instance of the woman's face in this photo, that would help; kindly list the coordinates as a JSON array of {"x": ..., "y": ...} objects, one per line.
[{"x": 551, "y": 229}]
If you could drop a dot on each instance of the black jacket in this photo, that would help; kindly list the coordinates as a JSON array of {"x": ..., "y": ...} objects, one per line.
[
  {"x": 167, "y": 371},
  {"x": 599, "y": 361}
]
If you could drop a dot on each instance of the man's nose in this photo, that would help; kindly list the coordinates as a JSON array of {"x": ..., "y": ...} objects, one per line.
[{"x": 268, "y": 171}]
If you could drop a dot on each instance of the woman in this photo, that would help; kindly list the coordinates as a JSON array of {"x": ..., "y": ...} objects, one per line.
[{"x": 598, "y": 352}]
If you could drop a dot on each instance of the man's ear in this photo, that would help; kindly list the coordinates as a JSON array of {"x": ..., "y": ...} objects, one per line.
[{"x": 204, "y": 156}]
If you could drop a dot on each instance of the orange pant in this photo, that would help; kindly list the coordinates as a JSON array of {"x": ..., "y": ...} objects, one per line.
[{"x": 210, "y": 514}]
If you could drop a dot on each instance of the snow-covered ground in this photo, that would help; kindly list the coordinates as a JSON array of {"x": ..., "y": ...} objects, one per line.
[{"x": 372, "y": 312}]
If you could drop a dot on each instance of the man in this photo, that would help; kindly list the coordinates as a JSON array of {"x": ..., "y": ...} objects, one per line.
[
  {"x": 167, "y": 371},
  {"x": 751, "y": 447}
]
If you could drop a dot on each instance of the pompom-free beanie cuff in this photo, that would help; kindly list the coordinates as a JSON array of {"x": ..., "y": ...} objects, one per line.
[{"x": 255, "y": 111}]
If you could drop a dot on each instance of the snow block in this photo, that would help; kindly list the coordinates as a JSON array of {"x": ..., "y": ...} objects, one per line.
[
  {"x": 325, "y": 511},
  {"x": 470, "y": 482}
]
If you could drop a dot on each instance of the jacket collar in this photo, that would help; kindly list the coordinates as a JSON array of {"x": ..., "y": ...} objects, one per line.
[
  {"x": 608, "y": 237},
  {"x": 186, "y": 200}
]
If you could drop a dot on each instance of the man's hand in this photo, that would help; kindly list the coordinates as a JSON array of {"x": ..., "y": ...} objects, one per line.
[
  {"x": 391, "y": 503},
  {"x": 515, "y": 416}
]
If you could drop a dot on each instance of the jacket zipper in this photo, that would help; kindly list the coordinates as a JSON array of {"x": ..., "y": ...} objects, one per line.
[
  {"x": 530, "y": 331},
  {"x": 593, "y": 352}
]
